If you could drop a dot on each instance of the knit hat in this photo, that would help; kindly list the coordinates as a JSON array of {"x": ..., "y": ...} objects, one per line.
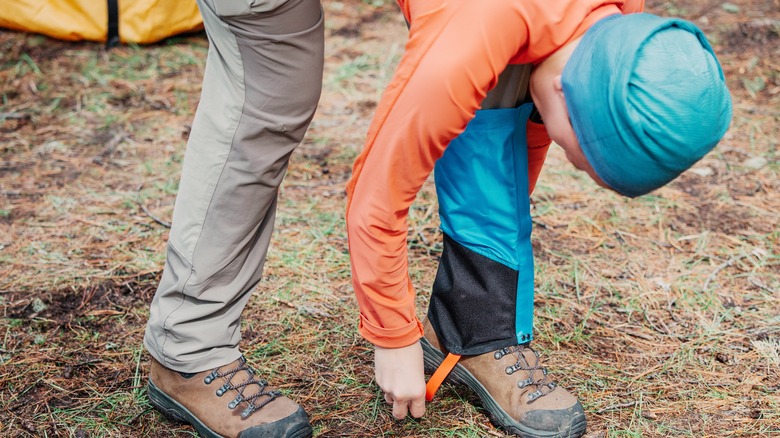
[{"x": 647, "y": 99}]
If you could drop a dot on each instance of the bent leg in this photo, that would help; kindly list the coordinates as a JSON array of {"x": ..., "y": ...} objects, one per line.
[{"x": 260, "y": 90}]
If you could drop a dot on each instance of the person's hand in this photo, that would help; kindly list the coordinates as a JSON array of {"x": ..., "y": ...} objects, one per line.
[{"x": 400, "y": 375}]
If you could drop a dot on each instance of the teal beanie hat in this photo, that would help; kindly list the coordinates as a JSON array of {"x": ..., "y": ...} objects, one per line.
[{"x": 647, "y": 99}]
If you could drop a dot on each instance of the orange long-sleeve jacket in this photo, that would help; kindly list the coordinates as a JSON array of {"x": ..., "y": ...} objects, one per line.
[{"x": 455, "y": 52}]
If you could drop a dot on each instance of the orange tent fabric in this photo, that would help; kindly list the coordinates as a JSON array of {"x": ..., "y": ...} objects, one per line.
[{"x": 139, "y": 21}]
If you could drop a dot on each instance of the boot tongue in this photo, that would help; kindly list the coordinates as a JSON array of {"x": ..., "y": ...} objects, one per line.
[
  {"x": 246, "y": 381},
  {"x": 536, "y": 381},
  {"x": 242, "y": 383},
  {"x": 530, "y": 363}
]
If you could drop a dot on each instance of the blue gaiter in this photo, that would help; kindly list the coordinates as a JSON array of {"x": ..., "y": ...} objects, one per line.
[{"x": 482, "y": 298}]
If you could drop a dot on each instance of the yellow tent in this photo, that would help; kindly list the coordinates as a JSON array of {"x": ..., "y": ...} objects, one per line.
[{"x": 109, "y": 21}]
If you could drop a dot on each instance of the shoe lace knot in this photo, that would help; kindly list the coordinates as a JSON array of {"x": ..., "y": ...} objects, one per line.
[
  {"x": 537, "y": 374},
  {"x": 254, "y": 400}
]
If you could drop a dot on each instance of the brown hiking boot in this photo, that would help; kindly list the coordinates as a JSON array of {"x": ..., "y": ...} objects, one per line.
[
  {"x": 514, "y": 389},
  {"x": 230, "y": 401}
]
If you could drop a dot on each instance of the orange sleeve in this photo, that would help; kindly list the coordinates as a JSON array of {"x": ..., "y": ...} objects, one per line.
[
  {"x": 452, "y": 59},
  {"x": 633, "y": 6}
]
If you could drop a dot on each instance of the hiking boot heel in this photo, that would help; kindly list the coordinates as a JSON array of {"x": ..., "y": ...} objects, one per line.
[
  {"x": 432, "y": 357},
  {"x": 160, "y": 402}
]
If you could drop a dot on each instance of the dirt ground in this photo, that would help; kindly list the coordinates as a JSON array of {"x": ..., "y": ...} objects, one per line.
[{"x": 662, "y": 313}]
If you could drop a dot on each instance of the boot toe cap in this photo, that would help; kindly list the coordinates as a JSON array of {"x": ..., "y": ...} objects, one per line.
[
  {"x": 566, "y": 422},
  {"x": 296, "y": 425}
]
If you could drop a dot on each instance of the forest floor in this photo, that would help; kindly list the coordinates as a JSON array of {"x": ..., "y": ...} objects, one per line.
[{"x": 660, "y": 313}]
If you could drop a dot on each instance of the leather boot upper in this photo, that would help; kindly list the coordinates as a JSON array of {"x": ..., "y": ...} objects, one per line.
[
  {"x": 518, "y": 383},
  {"x": 228, "y": 400}
]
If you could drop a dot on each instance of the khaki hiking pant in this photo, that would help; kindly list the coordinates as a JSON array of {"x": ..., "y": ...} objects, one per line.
[{"x": 261, "y": 87}]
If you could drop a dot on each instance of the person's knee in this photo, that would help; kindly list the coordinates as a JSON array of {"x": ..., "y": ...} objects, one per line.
[{"x": 269, "y": 17}]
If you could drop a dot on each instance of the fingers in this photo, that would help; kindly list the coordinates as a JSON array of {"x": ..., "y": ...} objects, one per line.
[
  {"x": 400, "y": 409},
  {"x": 399, "y": 373},
  {"x": 417, "y": 407}
]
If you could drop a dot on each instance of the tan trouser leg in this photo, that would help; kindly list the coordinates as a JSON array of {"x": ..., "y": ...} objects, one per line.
[
  {"x": 511, "y": 90},
  {"x": 260, "y": 89}
]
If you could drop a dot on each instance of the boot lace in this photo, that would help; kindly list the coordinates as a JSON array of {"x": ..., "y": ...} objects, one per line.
[
  {"x": 253, "y": 400},
  {"x": 543, "y": 385}
]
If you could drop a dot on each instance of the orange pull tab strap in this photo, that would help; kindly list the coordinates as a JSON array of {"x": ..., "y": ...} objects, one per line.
[{"x": 440, "y": 374}]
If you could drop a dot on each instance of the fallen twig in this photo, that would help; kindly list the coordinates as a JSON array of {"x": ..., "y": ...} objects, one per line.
[
  {"x": 14, "y": 116},
  {"x": 149, "y": 213},
  {"x": 755, "y": 282},
  {"x": 721, "y": 267},
  {"x": 616, "y": 407}
]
